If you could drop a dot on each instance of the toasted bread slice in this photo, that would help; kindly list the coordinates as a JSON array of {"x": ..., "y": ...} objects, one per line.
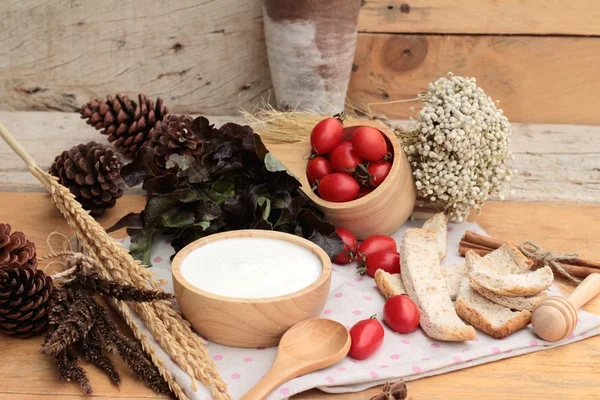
[
  {"x": 495, "y": 320},
  {"x": 519, "y": 303},
  {"x": 425, "y": 285},
  {"x": 529, "y": 284},
  {"x": 439, "y": 223},
  {"x": 391, "y": 284},
  {"x": 507, "y": 259}
]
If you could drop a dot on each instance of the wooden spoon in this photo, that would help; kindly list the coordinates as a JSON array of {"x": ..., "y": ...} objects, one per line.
[{"x": 308, "y": 346}]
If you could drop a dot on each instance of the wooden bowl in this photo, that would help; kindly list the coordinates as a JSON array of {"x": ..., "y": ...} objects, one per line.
[
  {"x": 243, "y": 322},
  {"x": 382, "y": 211}
]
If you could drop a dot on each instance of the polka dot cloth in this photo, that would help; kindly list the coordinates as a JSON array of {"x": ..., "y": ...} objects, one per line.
[{"x": 353, "y": 298}]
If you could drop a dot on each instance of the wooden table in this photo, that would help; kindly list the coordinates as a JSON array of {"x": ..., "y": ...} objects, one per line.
[{"x": 568, "y": 372}]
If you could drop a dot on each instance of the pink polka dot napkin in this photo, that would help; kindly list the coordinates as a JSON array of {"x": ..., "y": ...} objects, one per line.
[{"x": 352, "y": 298}]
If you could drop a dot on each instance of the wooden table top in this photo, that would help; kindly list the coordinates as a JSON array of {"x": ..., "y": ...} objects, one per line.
[{"x": 568, "y": 372}]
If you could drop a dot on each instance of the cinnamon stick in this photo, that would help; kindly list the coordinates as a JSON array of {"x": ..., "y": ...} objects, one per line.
[
  {"x": 470, "y": 245},
  {"x": 463, "y": 250},
  {"x": 482, "y": 240},
  {"x": 580, "y": 272}
]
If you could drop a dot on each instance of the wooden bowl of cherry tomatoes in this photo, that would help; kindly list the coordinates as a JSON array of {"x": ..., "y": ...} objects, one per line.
[{"x": 356, "y": 173}]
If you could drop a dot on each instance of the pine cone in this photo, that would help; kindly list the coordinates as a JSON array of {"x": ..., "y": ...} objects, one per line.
[
  {"x": 24, "y": 300},
  {"x": 174, "y": 135},
  {"x": 126, "y": 123},
  {"x": 92, "y": 173},
  {"x": 15, "y": 248}
]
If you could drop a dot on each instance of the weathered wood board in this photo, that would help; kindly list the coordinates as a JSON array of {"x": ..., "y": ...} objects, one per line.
[
  {"x": 555, "y": 162},
  {"x": 539, "y": 17},
  {"x": 208, "y": 56},
  {"x": 549, "y": 79}
]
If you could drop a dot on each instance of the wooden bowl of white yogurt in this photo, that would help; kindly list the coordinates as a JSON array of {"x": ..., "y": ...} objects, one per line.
[{"x": 246, "y": 288}]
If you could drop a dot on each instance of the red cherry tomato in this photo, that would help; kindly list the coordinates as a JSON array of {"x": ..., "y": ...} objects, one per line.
[
  {"x": 378, "y": 171},
  {"x": 338, "y": 187},
  {"x": 369, "y": 143},
  {"x": 326, "y": 135},
  {"x": 401, "y": 314},
  {"x": 344, "y": 159},
  {"x": 364, "y": 191},
  {"x": 350, "y": 245},
  {"x": 317, "y": 168},
  {"x": 389, "y": 261},
  {"x": 375, "y": 244},
  {"x": 367, "y": 336}
]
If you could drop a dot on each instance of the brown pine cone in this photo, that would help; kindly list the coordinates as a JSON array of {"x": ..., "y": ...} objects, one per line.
[
  {"x": 24, "y": 300},
  {"x": 92, "y": 173},
  {"x": 174, "y": 135},
  {"x": 126, "y": 123},
  {"x": 15, "y": 248}
]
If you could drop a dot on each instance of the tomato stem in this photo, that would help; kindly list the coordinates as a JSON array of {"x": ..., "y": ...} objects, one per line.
[
  {"x": 341, "y": 116},
  {"x": 374, "y": 316}
]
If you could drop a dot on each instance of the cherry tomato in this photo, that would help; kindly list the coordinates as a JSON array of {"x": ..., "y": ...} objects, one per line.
[
  {"x": 350, "y": 245},
  {"x": 344, "y": 159},
  {"x": 401, "y": 314},
  {"x": 367, "y": 336},
  {"x": 364, "y": 191},
  {"x": 317, "y": 168},
  {"x": 389, "y": 261},
  {"x": 375, "y": 244},
  {"x": 378, "y": 171},
  {"x": 369, "y": 143},
  {"x": 338, "y": 187},
  {"x": 326, "y": 135}
]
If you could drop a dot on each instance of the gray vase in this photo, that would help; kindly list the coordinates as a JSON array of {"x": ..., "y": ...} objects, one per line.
[{"x": 311, "y": 44}]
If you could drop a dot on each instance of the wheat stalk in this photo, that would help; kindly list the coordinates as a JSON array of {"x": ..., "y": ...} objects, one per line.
[{"x": 167, "y": 326}]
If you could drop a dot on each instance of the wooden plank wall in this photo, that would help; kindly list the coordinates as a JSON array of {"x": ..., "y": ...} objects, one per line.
[{"x": 540, "y": 58}]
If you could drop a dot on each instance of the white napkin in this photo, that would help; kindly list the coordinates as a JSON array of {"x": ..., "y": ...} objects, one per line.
[{"x": 352, "y": 298}]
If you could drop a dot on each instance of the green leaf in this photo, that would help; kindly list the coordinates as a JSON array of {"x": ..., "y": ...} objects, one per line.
[
  {"x": 177, "y": 218},
  {"x": 273, "y": 164},
  {"x": 155, "y": 207},
  {"x": 142, "y": 167},
  {"x": 141, "y": 244},
  {"x": 265, "y": 205},
  {"x": 188, "y": 167},
  {"x": 206, "y": 210},
  {"x": 203, "y": 224},
  {"x": 131, "y": 220}
]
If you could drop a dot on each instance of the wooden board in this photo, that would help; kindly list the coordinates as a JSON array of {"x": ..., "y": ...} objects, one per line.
[
  {"x": 536, "y": 79},
  {"x": 26, "y": 374},
  {"x": 204, "y": 56},
  {"x": 555, "y": 162},
  {"x": 539, "y": 17}
]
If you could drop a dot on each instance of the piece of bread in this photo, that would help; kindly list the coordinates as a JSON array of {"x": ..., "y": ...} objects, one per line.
[
  {"x": 519, "y": 303},
  {"x": 529, "y": 284},
  {"x": 391, "y": 284},
  {"x": 453, "y": 276},
  {"x": 425, "y": 285},
  {"x": 507, "y": 259},
  {"x": 495, "y": 320},
  {"x": 439, "y": 223}
]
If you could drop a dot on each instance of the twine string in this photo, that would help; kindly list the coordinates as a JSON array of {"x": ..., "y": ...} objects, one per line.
[{"x": 547, "y": 257}]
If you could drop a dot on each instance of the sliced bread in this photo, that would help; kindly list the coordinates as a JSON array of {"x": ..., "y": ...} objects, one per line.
[
  {"x": 391, "y": 284},
  {"x": 425, "y": 285},
  {"x": 453, "y": 276},
  {"x": 507, "y": 259},
  {"x": 495, "y": 320},
  {"x": 439, "y": 224},
  {"x": 513, "y": 302},
  {"x": 529, "y": 284}
]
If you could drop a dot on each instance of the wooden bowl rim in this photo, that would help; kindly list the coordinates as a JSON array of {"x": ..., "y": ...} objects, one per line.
[
  {"x": 395, "y": 170},
  {"x": 245, "y": 233}
]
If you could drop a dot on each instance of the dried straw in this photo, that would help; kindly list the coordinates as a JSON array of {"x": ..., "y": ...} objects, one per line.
[{"x": 167, "y": 326}]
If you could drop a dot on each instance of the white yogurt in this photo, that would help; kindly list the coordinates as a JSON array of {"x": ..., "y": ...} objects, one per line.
[{"x": 251, "y": 268}]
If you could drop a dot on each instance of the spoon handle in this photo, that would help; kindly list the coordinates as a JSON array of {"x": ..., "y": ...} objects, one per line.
[
  {"x": 276, "y": 376},
  {"x": 586, "y": 290}
]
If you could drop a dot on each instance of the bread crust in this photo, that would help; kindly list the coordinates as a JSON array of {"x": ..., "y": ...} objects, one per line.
[{"x": 478, "y": 320}]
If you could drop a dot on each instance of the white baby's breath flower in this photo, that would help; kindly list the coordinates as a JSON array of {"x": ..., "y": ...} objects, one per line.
[{"x": 460, "y": 147}]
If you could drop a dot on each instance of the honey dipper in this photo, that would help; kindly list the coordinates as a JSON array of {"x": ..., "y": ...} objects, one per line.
[{"x": 556, "y": 317}]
